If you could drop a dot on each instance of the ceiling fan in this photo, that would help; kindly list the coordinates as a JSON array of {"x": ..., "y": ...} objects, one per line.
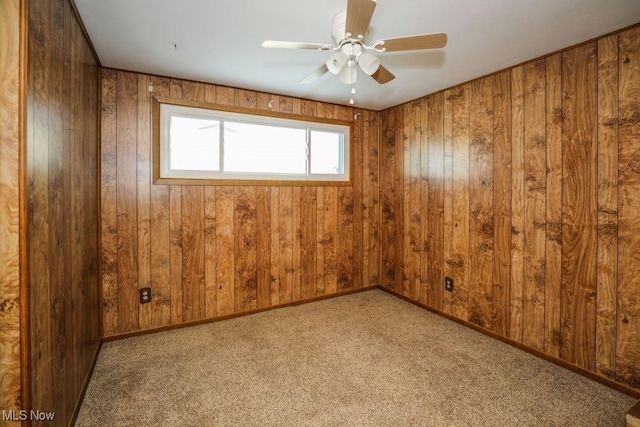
[{"x": 349, "y": 30}]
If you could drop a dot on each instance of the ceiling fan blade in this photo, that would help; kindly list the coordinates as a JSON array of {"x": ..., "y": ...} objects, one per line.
[
  {"x": 294, "y": 45},
  {"x": 359, "y": 13},
  {"x": 382, "y": 75},
  {"x": 422, "y": 41},
  {"x": 315, "y": 75}
]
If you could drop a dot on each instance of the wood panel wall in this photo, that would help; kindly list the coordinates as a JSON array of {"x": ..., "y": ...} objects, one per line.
[
  {"x": 211, "y": 251},
  {"x": 10, "y": 170},
  {"x": 524, "y": 187},
  {"x": 62, "y": 163}
]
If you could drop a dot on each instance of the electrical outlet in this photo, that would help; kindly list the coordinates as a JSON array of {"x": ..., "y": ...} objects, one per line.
[
  {"x": 145, "y": 295},
  {"x": 448, "y": 284}
]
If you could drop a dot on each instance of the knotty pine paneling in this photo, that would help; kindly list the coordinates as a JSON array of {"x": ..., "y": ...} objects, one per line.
[
  {"x": 210, "y": 251},
  {"x": 11, "y": 397},
  {"x": 63, "y": 204},
  {"x": 539, "y": 222}
]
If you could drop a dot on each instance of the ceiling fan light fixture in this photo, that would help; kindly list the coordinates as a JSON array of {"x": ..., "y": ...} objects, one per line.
[
  {"x": 336, "y": 62},
  {"x": 348, "y": 75},
  {"x": 368, "y": 63}
]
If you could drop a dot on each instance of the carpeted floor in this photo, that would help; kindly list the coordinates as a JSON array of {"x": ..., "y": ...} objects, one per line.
[{"x": 363, "y": 359}]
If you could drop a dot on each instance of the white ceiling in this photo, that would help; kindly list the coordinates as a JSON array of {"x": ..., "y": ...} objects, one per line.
[{"x": 218, "y": 41}]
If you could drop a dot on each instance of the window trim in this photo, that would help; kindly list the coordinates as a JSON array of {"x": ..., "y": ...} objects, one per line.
[{"x": 157, "y": 130}]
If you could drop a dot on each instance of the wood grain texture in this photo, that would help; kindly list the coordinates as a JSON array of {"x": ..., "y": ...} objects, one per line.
[
  {"x": 481, "y": 202},
  {"x": 423, "y": 119},
  {"x": 553, "y": 262},
  {"x": 209, "y": 251},
  {"x": 62, "y": 214},
  {"x": 517, "y": 203},
  {"x": 502, "y": 202},
  {"x": 126, "y": 200},
  {"x": 435, "y": 217},
  {"x": 460, "y": 258},
  {"x": 534, "y": 204},
  {"x": 628, "y": 337},
  {"x": 144, "y": 195},
  {"x": 10, "y": 364},
  {"x": 579, "y": 215},
  {"x": 607, "y": 257},
  {"x": 160, "y": 237},
  {"x": 540, "y": 203},
  {"x": 447, "y": 111},
  {"x": 409, "y": 242}
]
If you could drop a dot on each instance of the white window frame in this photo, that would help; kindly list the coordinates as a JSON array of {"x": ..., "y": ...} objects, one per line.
[{"x": 164, "y": 173}]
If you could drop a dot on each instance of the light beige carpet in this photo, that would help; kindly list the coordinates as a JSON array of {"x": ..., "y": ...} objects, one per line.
[{"x": 363, "y": 359}]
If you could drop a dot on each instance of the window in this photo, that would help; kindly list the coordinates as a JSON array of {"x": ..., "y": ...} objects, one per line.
[{"x": 234, "y": 144}]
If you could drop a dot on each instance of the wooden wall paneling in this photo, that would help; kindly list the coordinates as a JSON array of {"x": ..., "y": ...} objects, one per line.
[
  {"x": 225, "y": 95},
  {"x": 108, "y": 169},
  {"x": 502, "y": 202},
  {"x": 193, "y": 213},
  {"x": 628, "y": 323},
  {"x": 38, "y": 206},
  {"x": 579, "y": 216},
  {"x": 481, "y": 202},
  {"x": 263, "y": 246},
  {"x": 607, "y": 204},
  {"x": 534, "y": 204},
  {"x": 175, "y": 252},
  {"x": 12, "y": 397},
  {"x": 193, "y": 286},
  {"x": 308, "y": 224},
  {"x": 62, "y": 164},
  {"x": 210, "y": 255},
  {"x": 352, "y": 210},
  {"x": 90, "y": 294},
  {"x": 225, "y": 235},
  {"x": 284, "y": 235},
  {"x": 76, "y": 211},
  {"x": 387, "y": 234},
  {"x": 607, "y": 190},
  {"x": 58, "y": 203},
  {"x": 399, "y": 196},
  {"x": 423, "y": 121},
  {"x": 447, "y": 211},
  {"x": 276, "y": 254},
  {"x": 296, "y": 248},
  {"x": 244, "y": 226},
  {"x": 461, "y": 150},
  {"x": 415, "y": 202},
  {"x": 328, "y": 229},
  {"x": 144, "y": 196},
  {"x": 409, "y": 242},
  {"x": 436, "y": 200},
  {"x": 371, "y": 199},
  {"x": 126, "y": 191},
  {"x": 517, "y": 204},
  {"x": 348, "y": 241},
  {"x": 160, "y": 242},
  {"x": 553, "y": 261}
]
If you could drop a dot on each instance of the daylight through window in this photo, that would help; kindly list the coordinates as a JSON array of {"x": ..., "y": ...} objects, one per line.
[{"x": 198, "y": 143}]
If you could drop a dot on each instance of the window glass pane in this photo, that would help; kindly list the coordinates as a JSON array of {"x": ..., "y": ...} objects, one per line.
[
  {"x": 194, "y": 144},
  {"x": 261, "y": 148},
  {"x": 325, "y": 152}
]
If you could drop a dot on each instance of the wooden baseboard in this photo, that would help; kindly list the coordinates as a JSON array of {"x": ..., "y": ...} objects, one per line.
[
  {"x": 85, "y": 384},
  {"x": 633, "y": 415},
  {"x": 586, "y": 373},
  {"x": 231, "y": 316}
]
